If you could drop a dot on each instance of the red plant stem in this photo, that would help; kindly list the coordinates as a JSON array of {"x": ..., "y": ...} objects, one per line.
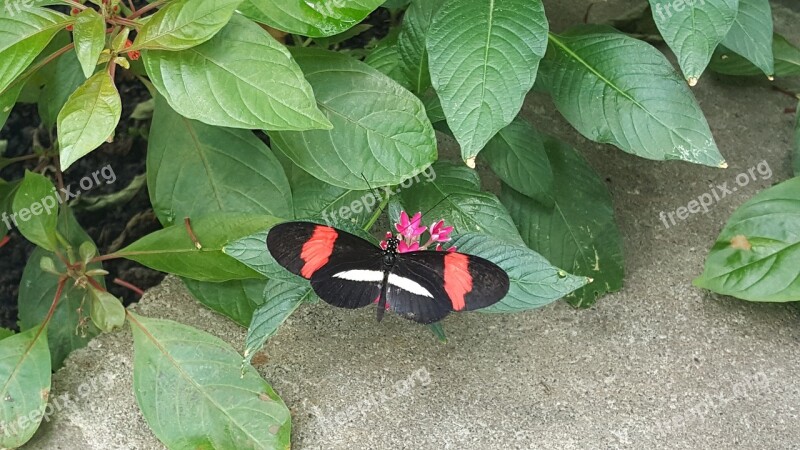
[
  {"x": 4, "y": 241},
  {"x": 147, "y": 8},
  {"x": 192, "y": 236},
  {"x": 59, "y": 290},
  {"x": 95, "y": 284},
  {"x": 790, "y": 110},
  {"x": 130, "y": 286},
  {"x": 123, "y": 22},
  {"x": 41, "y": 64},
  {"x": 104, "y": 258},
  {"x": 131, "y": 5},
  {"x": 112, "y": 70}
]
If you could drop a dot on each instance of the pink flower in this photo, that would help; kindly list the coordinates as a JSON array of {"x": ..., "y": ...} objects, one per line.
[
  {"x": 410, "y": 228},
  {"x": 439, "y": 232},
  {"x": 405, "y": 248}
]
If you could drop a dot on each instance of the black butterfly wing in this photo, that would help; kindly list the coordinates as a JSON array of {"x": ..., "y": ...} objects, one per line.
[
  {"x": 425, "y": 286},
  {"x": 329, "y": 257}
]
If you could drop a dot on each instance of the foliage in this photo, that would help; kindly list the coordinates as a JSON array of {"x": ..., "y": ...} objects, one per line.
[{"x": 341, "y": 121}]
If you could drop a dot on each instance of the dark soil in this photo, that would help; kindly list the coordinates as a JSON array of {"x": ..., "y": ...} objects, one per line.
[{"x": 111, "y": 228}]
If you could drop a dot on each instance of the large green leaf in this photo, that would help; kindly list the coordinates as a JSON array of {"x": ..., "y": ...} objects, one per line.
[
  {"x": 575, "y": 229},
  {"x": 7, "y": 101},
  {"x": 172, "y": 250},
  {"x": 316, "y": 199},
  {"x": 757, "y": 254},
  {"x": 88, "y": 118},
  {"x": 455, "y": 196},
  {"x": 796, "y": 158},
  {"x": 69, "y": 329},
  {"x": 183, "y": 24},
  {"x": 517, "y": 155},
  {"x": 694, "y": 30},
  {"x": 751, "y": 34},
  {"x": 60, "y": 83},
  {"x": 619, "y": 90},
  {"x": 23, "y": 35},
  {"x": 785, "y": 54},
  {"x": 386, "y": 59},
  {"x": 254, "y": 81},
  {"x": 236, "y": 299},
  {"x": 25, "y": 381},
  {"x": 282, "y": 300},
  {"x": 483, "y": 58},
  {"x": 90, "y": 39},
  {"x": 411, "y": 44},
  {"x": 315, "y": 18},
  {"x": 534, "y": 281},
  {"x": 194, "y": 393},
  {"x": 35, "y": 209},
  {"x": 194, "y": 169},
  {"x": 381, "y": 131}
]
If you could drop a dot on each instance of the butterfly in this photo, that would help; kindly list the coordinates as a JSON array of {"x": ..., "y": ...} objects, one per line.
[{"x": 350, "y": 272}]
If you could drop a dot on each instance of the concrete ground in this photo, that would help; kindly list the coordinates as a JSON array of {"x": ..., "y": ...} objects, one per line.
[{"x": 660, "y": 364}]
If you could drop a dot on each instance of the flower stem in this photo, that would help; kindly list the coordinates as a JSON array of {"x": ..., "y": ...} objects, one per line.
[{"x": 147, "y": 8}]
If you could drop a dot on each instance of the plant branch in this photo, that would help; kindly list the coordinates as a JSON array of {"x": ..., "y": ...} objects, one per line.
[
  {"x": 147, "y": 8},
  {"x": 74, "y": 4},
  {"x": 130, "y": 286}
]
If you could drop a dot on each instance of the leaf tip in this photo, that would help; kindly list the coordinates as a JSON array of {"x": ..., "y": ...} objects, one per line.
[
  {"x": 723, "y": 165},
  {"x": 692, "y": 81},
  {"x": 470, "y": 162}
]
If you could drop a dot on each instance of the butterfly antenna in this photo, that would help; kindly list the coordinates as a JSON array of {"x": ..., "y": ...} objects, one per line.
[{"x": 377, "y": 196}]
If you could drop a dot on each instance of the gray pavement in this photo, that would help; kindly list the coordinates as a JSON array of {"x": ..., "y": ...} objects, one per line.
[{"x": 660, "y": 364}]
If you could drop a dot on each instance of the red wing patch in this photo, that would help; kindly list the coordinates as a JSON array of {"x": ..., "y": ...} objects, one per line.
[
  {"x": 317, "y": 250},
  {"x": 457, "y": 279}
]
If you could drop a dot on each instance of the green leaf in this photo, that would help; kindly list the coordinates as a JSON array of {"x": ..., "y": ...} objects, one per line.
[
  {"x": 751, "y": 34},
  {"x": 25, "y": 379},
  {"x": 438, "y": 330},
  {"x": 254, "y": 81},
  {"x": 757, "y": 254},
  {"x": 380, "y": 132},
  {"x": 90, "y": 39},
  {"x": 5, "y": 332},
  {"x": 386, "y": 59},
  {"x": 314, "y": 18},
  {"x": 694, "y": 30},
  {"x": 183, "y": 24},
  {"x": 785, "y": 54},
  {"x": 316, "y": 199},
  {"x": 172, "y": 250},
  {"x": 517, "y": 155},
  {"x": 106, "y": 310},
  {"x": 235, "y": 299},
  {"x": 483, "y": 58},
  {"x": 7, "y": 101},
  {"x": 534, "y": 282},
  {"x": 194, "y": 393},
  {"x": 251, "y": 251},
  {"x": 411, "y": 44},
  {"x": 194, "y": 169},
  {"x": 796, "y": 159},
  {"x": 69, "y": 329},
  {"x": 282, "y": 299},
  {"x": 24, "y": 35},
  {"x": 35, "y": 208},
  {"x": 575, "y": 230},
  {"x": 455, "y": 196},
  {"x": 88, "y": 118},
  {"x": 60, "y": 83},
  {"x": 618, "y": 90}
]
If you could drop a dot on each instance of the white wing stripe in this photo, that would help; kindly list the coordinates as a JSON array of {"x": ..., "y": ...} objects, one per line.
[{"x": 406, "y": 284}]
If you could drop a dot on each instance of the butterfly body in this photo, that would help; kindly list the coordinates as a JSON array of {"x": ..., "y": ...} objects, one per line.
[{"x": 350, "y": 272}]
